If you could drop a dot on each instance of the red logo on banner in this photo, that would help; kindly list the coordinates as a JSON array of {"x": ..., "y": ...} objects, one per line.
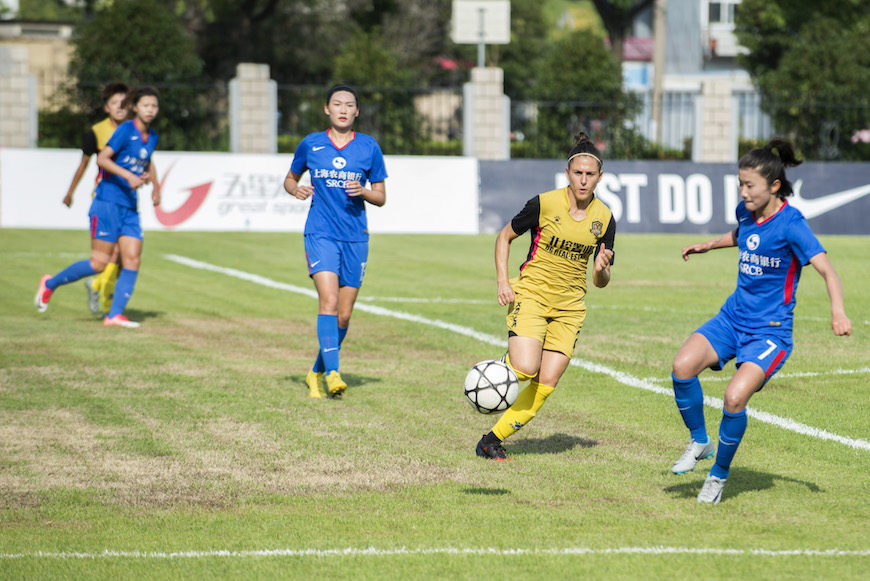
[{"x": 186, "y": 210}]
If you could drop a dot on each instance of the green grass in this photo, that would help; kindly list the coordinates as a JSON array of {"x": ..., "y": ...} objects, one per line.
[{"x": 194, "y": 433}]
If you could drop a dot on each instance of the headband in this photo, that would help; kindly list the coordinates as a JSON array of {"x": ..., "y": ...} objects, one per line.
[{"x": 595, "y": 157}]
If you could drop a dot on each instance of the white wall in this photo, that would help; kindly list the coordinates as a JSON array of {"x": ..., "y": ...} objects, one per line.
[{"x": 232, "y": 192}]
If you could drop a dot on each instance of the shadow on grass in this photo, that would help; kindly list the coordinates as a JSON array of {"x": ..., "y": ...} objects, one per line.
[
  {"x": 486, "y": 491},
  {"x": 552, "y": 444},
  {"x": 739, "y": 481},
  {"x": 140, "y": 316},
  {"x": 350, "y": 379}
]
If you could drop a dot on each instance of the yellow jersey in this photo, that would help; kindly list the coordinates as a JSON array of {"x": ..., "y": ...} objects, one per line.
[{"x": 555, "y": 270}]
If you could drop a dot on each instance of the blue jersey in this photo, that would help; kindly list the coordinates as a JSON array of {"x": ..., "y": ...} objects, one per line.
[
  {"x": 333, "y": 213},
  {"x": 772, "y": 254},
  {"x": 132, "y": 152}
]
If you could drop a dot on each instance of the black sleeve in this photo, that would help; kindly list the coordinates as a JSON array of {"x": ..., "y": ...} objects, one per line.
[
  {"x": 528, "y": 216},
  {"x": 89, "y": 143},
  {"x": 608, "y": 239}
]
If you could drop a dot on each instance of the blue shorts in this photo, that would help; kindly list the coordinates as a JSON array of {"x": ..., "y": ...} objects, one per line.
[
  {"x": 767, "y": 350},
  {"x": 346, "y": 259},
  {"x": 110, "y": 221}
]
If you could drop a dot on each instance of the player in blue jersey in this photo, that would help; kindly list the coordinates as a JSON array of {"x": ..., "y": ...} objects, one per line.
[
  {"x": 340, "y": 161},
  {"x": 114, "y": 216},
  {"x": 754, "y": 326}
]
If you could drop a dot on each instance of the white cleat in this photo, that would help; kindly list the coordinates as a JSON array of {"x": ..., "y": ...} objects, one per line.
[
  {"x": 711, "y": 492},
  {"x": 694, "y": 452},
  {"x": 120, "y": 321}
]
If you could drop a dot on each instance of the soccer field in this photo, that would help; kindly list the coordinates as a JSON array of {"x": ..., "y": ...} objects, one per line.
[{"x": 188, "y": 448}]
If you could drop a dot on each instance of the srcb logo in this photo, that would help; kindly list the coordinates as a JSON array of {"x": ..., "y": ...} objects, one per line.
[
  {"x": 752, "y": 242},
  {"x": 338, "y": 162}
]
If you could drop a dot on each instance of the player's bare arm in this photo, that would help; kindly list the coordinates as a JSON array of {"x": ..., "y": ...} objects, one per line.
[
  {"x": 502, "y": 253},
  {"x": 601, "y": 267},
  {"x": 80, "y": 171},
  {"x": 376, "y": 196},
  {"x": 840, "y": 323},
  {"x": 291, "y": 185},
  {"x": 155, "y": 184},
  {"x": 725, "y": 241}
]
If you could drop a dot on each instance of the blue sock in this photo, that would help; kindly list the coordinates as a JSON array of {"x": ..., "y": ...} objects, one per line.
[
  {"x": 327, "y": 335},
  {"x": 123, "y": 291},
  {"x": 72, "y": 273},
  {"x": 319, "y": 367},
  {"x": 690, "y": 402},
  {"x": 731, "y": 431}
]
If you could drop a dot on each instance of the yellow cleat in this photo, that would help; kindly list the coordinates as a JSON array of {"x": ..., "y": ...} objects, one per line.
[
  {"x": 314, "y": 381},
  {"x": 335, "y": 384}
]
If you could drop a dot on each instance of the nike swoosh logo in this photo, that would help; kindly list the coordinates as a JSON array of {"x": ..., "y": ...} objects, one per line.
[
  {"x": 102, "y": 233},
  {"x": 818, "y": 206},
  {"x": 330, "y": 349},
  {"x": 317, "y": 148},
  {"x": 315, "y": 263}
]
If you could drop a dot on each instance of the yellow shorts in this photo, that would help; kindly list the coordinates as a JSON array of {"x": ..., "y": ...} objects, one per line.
[{"x": 557, "y": 330}]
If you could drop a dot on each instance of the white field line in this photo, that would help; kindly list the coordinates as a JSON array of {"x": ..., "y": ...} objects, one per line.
[
  {"x": 778, "y": 375},
  {"x": 401, "y": 551},
  {"x": 620, "y": 376}
]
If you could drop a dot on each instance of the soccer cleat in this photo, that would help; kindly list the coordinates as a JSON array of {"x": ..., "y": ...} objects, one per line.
[
  {"x": 43, "y": 294},
  {"x": 711, "y": 492},
  {"x": 93, "y": 297},
  {"x": 120, "y": 321},
  {"x": 494, "y": 451},
  {"x": 335, "y": 384},
  {"x": 694, "y": 452},
  {"x": 314, "y": 381}
]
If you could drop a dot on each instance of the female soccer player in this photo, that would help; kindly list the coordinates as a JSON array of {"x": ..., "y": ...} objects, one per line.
[
  {"x": 755, "y": 323},
  {"x": 126, "y": 161},
  {"x": 546, "y": 301},
  {"x": 114, "y": 95},
  {"x": 340, "y": 162}
]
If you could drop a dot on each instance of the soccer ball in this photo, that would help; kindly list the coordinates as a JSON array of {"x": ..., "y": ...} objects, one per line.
[{"x": 491, "y": 386}]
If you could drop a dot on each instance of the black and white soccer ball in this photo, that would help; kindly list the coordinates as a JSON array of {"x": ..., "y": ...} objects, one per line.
[{"x": 491, "y": 386}]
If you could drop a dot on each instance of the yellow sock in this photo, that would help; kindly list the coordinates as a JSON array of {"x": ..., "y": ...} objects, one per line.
[
  {"x": 529, "y": 401},
  {"x": 520, "y": 375},
  {"x": 105, "y": 283}
]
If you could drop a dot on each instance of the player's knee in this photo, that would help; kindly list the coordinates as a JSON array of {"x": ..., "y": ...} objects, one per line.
[{"x": 132, "y": 262}]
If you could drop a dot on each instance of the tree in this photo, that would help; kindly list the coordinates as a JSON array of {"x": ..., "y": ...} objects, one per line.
[
  {"x": 617, "y": 17},
  {"x": 579, "y": 88},
  {"x": 811, "y": 61}
]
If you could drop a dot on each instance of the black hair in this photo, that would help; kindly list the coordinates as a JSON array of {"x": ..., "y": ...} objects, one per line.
[
  {"x": 146, "y": 91},
  {"x": 336, "y": 88},
  {"x": 771, "y": 165},
  {"x": 113, "y": 89},
  {"x": 584, "y": 146}
]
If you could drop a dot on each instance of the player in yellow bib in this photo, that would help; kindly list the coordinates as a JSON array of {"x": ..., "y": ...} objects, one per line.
[
  {"x": 569, "y": 227},
  {"x": 101, "y": 288}
]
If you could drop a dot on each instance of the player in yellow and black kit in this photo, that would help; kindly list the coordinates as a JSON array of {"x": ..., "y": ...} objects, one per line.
[
  {"x": 101, "y": 288},
  {"x": 568, "y": 226}
]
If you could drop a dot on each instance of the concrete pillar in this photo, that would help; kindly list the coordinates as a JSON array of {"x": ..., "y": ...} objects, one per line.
[
  {"x": 18, "y": 120},
  {"x": 716, "y": 132},
  {"x": 489, "y": 120},
  {"x": 253, "y": 110}
]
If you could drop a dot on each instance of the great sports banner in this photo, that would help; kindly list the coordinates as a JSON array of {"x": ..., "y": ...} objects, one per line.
[
  {"x": 234, "y": 192},
  {"x": 651, "y": 196}
]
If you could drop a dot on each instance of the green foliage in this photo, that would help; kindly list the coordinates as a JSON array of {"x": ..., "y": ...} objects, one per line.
[
  {"x": 139, "y": 42},
  {"x": 47, "y": 10},
  {"x": 811, "y": 61},
  {"x": 579, "y": 88}
]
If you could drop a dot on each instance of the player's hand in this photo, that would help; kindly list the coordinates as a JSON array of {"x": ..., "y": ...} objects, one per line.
[
  {"x": 699, "y": 248},
  {"x": 135, "y": 181},
  {"x": 505, "y": 294},
  {"x": 67, "y": 200},
  {"x": 303, "y": 192},
  {"x": 156, "y": 194},
  {"x": 354, "y": 188},
  {"x": 602, "y": 261},
  {"x": 841, "y": 325}
]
